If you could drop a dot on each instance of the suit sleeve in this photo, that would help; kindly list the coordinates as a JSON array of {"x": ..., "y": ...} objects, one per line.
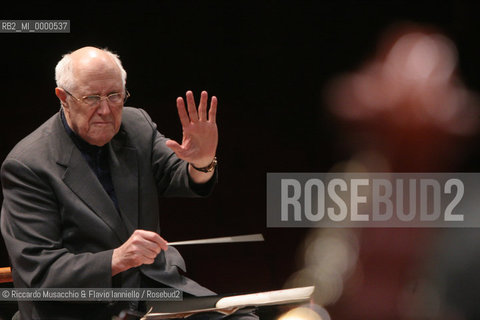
[
  {"x": 171, "y": 173},
  {"x": 32, "y": 229}
]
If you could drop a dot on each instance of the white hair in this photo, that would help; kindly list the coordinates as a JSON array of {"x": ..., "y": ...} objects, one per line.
[{"x": 64, "y": 70}]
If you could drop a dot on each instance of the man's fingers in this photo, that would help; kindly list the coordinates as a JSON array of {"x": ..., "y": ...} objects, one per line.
[
  {"x": 192, "y": 110},
  {"x": 154, "y": 237},
  {"x": 182, "y": 113},
  {"x": 202, "y": 107},
  {"x": 141, "y": 248},
  {"x": 143, "y": 253},
  {"x": 212, "y": 114},
  {"x": 148, "y": 248},
  {"x": 150, "y": 240},
  {"x": 159, "y": 241},
  {"x": 194, "y": 115}
]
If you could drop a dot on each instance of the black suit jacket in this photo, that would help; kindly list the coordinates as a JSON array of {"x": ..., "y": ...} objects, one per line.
[{"x": 60, "y": 226}]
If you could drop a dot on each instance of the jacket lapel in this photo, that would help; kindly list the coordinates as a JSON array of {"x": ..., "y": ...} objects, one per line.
[
  {"x": 82, "y": 181},
  {"x": 124, "y": 171},
  {"x": 80, "y": 178}
]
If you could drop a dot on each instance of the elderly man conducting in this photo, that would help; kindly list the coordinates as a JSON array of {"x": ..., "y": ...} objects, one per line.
[{"x": 80, "y": 205}]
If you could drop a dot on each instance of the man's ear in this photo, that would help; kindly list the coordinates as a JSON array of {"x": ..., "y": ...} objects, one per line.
[{"x": 62, "y": 95}]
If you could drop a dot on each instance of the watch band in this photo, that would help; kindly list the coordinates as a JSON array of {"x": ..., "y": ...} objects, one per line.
[{"x": 208, "y": 168}]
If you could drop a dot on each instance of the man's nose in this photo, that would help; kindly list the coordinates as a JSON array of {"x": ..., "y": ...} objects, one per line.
[{"x": 104, "y": 107}]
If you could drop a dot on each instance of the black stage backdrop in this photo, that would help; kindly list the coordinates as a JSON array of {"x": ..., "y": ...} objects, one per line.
[{"x": 266, "y": 61}]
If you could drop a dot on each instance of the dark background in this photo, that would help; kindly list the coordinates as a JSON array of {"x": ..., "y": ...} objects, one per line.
[{"x": 266, "y": 61}]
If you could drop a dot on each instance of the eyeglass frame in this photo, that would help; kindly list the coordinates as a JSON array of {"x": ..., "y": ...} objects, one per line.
[{"x": 127, "y": 95}]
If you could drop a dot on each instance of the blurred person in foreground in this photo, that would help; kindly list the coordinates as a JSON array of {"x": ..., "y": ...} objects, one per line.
[
  {"x": 407, "y": 110},
  {"x": 80, "y": 205}
]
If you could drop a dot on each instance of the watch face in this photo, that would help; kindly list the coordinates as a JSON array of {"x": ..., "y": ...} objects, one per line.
[{"x": 211, "y": 166}]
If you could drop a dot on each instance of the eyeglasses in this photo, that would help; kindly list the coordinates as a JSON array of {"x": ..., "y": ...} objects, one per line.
[{"x": 94, "y": 100}]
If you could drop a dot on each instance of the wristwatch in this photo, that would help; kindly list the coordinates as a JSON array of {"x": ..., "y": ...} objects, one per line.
[{"x": 208, "y": 168}]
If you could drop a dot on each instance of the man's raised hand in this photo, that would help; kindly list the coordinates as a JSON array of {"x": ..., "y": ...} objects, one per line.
[{"x": 200, "y": 134}]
